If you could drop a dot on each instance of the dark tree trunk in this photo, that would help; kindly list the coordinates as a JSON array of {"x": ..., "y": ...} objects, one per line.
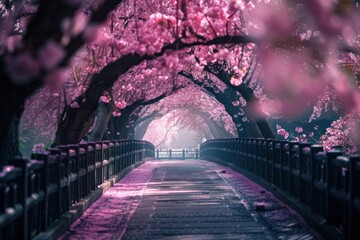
[
  {"x": 125, "y": 124},
  {"x": 110, "y": 133},
  {"x": 12, "y": 99},
  {"x": 251, "y": 100},
  {"x": 117, "y": 125},
  {"x": 45, "y": 24},
  {"x": 75, "y": 120},
  {"x": 103, "y": 115},
  {"x": 248, "y": 94},
  {"x": 215, "y": 130},
  {"x": 75, "y": 124},
  {"x": 129, "y": 130},
  {"x": 245, "y": 129},
  {"x": 9, "y": 148}
]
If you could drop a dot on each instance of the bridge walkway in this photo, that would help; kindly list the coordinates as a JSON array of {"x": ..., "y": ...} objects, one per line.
[{"x": 188, "y": 199}]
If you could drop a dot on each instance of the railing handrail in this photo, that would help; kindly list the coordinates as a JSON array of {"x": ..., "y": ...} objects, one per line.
[
  {"x": 35, "y": 193},
  {"x": 177, "y": 154},
  {"x": 325, "y": 182}
]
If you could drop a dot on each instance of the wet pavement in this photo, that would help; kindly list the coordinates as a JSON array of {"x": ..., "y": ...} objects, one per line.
[{"x": 188, "y": 199}]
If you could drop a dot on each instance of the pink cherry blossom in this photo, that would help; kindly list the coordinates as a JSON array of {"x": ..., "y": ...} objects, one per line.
[
  {"x": 22, "y": 68},
  {"x": 235, "y": 103},
  {"x": 281, "y": 132},
  {"x": 74, "y": 104},
  {"x": 105, "y": 99},
  {"x": 303, "y": 138},
  {"x": 116, "y": 113},
  {"x": 51, "y": 55},
  {"x": 286, "y": 136},
  {"x": 56, "y": 78},
  {"x": 120, "y": 104},
  {"x": 235, "y": 81},
  {"x": 299, "y": 129},
  {"x": 38, "y": 148}
]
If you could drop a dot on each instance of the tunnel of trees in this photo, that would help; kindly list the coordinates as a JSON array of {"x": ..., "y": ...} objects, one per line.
[{"x": 73, "y": 71}]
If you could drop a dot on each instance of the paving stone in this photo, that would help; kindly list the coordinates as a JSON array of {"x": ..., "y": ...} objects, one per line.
[
  {"x": 187, "y": 200},
  {"x": 190, "y": 202}
]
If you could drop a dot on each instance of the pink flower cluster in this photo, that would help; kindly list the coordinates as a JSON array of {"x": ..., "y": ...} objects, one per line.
[
  {"x": 105, "y": 98},
  {"x": 38, "y": 148},
  {"x": 120, "y": 104},
  {"x": 282, "y": 132},
  {"x": 300, "y": 138}
]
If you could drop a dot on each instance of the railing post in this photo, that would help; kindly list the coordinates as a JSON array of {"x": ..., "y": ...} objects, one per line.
[
  {"x": 157, "y": 153},
  {"x": 76, "y": 165},
  {"x": 86, "y": 185},
  {"x": 10, "y": 178},
  {"x": 354, "y": 214},
  {"x": 291, "y": 169},
  {"x": 302, "y": 185},
  {"x": 92, "y": 176},
  {"x": 282, "y": 167},
  {"x": 197, "y": 154},
  {"x": 23, "y": 229},
  {"x": 331, "y": 156},
  {"x": 66, "y": 162},
  {"x": 170, "y": 153},
  {"x": 315, "y": 149},
  {"x": 44, "y": 182},
  {"x": 183, "y": 153},
  {"x": 270, "y": 159}
]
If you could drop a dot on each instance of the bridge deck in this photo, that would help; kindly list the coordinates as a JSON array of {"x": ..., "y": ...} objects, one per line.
[{"x": 188, "y": 199}]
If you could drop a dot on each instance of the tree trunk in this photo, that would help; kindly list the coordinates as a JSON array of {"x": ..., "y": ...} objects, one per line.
[
  {"x": 129, "y": 130},
  {"x": 245, "y": 129},
  {"x": 103, "y": 115},
  {"x": 9, "y": 148},
  {"x": 117, "y": 124},
  {"x": 75, "y": 124},
  {"x": 251, "y": 101},
  {"x": 215, "y": 130}
]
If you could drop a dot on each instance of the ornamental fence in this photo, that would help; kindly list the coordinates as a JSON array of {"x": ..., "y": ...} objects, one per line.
[
  {"x": 35, "y": 193},
  {"x": 177, "y": 154},
  {"x": 326, "y": 183}
]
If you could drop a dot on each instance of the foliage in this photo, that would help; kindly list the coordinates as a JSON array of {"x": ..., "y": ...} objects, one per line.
[{"x": 293, "y": 56}]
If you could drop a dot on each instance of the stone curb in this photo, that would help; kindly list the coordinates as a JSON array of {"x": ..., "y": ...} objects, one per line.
[{"x": 76, "y": 211}]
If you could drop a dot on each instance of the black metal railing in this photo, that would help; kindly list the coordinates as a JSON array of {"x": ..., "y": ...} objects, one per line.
[
  {"x": 177, "y": 154},
  {"x": 326, "y": 182},
  {"x": 35, "y": 193}
]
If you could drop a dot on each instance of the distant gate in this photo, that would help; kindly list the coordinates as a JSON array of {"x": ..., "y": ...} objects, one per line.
[{"x": 177, "y": 154}]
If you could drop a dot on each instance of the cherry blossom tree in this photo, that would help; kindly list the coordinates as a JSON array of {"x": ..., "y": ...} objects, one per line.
[
  {"x": 303, "y": 48},
  {"x": 197, "y": 113},
  {"x": 37, "y": 39},
  {"x": 168, "y": 34}
]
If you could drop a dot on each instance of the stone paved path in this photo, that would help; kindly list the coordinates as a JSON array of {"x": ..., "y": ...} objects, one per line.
[{"x": 189, "y": 199}]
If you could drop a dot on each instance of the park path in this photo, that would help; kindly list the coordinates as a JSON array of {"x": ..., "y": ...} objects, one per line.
[{"x": 188, "y": 199}]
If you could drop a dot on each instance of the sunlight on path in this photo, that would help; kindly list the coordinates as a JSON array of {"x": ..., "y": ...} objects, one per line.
[{"x": 107, "y": 217}]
